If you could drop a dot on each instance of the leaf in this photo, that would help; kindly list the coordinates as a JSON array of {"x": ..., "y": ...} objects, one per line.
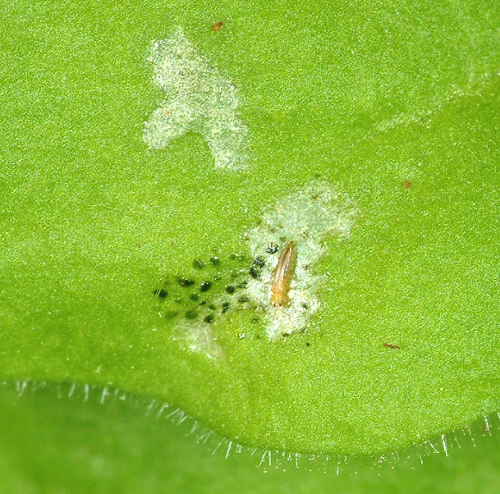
[
  {"x": 386, "y": 117},
  {"x": 62, "y": 444}
]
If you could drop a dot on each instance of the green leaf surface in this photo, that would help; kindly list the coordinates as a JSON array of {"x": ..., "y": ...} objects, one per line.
[
  {"x": 52, "y": 443},
  {"x": 370, "y": 140}
]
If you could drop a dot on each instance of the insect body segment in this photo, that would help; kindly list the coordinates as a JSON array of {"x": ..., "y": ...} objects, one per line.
[{"x": 282, "y": 276}]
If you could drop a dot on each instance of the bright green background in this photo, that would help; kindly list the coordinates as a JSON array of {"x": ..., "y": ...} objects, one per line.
[
  {"x": 363, "y": 95},
  {"x": 60, "y": 445}
]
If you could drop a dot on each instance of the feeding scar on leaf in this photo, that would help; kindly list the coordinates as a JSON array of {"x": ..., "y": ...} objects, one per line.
[
  {"x": 297, "y": 224},
  {"x": 198, "y": 99},
  {"x": 274, "y": 280}
]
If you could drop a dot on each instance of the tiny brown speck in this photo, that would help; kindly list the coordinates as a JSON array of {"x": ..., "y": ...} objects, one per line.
[
  {"x": 217, "y": 26},
  {"x": 393, "y": 347},
  {"x": 407, "y": 184}
]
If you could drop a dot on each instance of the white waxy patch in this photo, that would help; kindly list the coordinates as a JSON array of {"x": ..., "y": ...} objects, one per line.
[
  {"x": 305, "y": 218},
  {"x": 199, "y": 337},
  {"x": 199, "y": 99},
  {"x": 287, "y": 244}
]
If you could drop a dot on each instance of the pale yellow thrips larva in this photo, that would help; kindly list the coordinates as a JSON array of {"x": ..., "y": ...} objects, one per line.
[{"x": 282, "y": 275}]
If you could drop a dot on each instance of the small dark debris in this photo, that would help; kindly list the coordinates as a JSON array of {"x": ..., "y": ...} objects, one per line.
[
  {"x": 203, "y": 302},
  {"x": 185, "y": 282},
  {"x": 272, "y": 249},
  {"x": 191, "y": 314},
  {"x": 171, "y": 314},
  {"x": 205, "y": 286},
  {"x": 198, "y": 264},
  {"x": 258, "y": 261},
  {"x": 225, "y": 307},
  {"x": 254, "y": 273},
  {"x": 285, "y": 335},
  {"x": 243, "y": 299},
  {"x": 256, "y": 268},
  {"x": 161, "y": 293},
  {"x": 307, "y": 343},
  {"x": 217, "y": 26},
  {"x": 393, "y": 347},
  {"x": 210, "y": 318},
  {"x": 255, "y": 320},
  {"x": 407, "y": 184},
  {"x": 243, "y": 284},
  {"x": 215, "y": 261},
  {"x": 305, "y": 306},
  {"x": 230, "y": 289},
  {"x": 194, "y": 296}
]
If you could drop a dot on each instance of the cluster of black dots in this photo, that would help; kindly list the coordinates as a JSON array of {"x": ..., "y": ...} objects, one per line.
[{"x": 219, "y": 288}]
